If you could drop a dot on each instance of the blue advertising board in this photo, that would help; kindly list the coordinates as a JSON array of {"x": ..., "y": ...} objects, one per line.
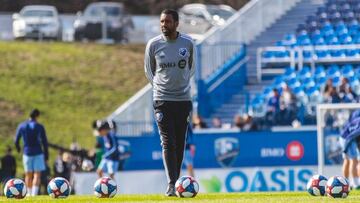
[{"x": 240, "y": 149}]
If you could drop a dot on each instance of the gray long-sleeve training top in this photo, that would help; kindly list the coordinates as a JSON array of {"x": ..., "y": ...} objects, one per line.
[{"x": 169, "y": 65}]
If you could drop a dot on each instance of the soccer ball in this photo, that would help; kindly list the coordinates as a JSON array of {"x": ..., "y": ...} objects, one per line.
[
  {"x": 15, "y": 188},
  {"x": 316, "y": 185},
  {"x": 337, "y": 187},
  {"x": 105, "y": 187},
  {"x": 186, "y": 186},
  {"x": 59, "y": 188},
  {"x": 87, "y": 165}
]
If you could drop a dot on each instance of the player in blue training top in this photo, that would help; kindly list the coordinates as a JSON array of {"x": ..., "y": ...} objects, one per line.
[
  {"x": 35, "y": 150},
  {"x": 110, "y": 159},
  {"x": 351, "y": 154}
]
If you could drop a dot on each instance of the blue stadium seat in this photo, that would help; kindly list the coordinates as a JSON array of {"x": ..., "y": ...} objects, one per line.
[
  {"x": 356, "y": 39},
  {"x": 319, "y": 71},
  {"x": 333, "y": 71},
  {"x": 327, "y": 29},
  {"x": 345, "y": 6},
  {"x": 353, "y": 27},
  {"x": 321, "y": 81},
  {"x": 353, "y": 80},
  {"x": 293, "y": 83},
  {"x": 314, "y": 97},
  {"x": 289, "y": 40},
  {"x": 304, "y": 73},
  {"x": 319, "y": 41},
  {"x": 304, "y": 42},
  {"x": 346, "y": 40},
  {"x": 309, "y": 82},
  {"x": 335, "y": 16},
  {"x": 347, "y": 70},
  {"x": 352, "y": 52},
  {"x": 268, "y": 54},
  {"x": 300, "y": 95},
  {"x": 312, "y": 91},
  {"x": 357, "y": 71},
  {"x": 289, "y": 73},
  {"x": 258, "y": 106},
  {"x": 279, "y": 80},
  {"x": 268, "y": 91},
  {"x": 322, "y": 53},
  {"x": 301, "y": 30},
  {"x": 338, "y": 53},
  {"x": 282, "y": 54},
  {"x": 298, "y": 90},
  {"x": 307, "y": 54},
  {"x": 332, "y": 7},
  {"x": 340, "y": 26},
  {"x": 348, "y": 15},
  {"x": 336, "y": 81},
  {"x": 332, "y": 41}
]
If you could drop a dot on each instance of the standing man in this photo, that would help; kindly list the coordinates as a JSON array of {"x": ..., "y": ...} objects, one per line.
[
  {"x": 35, "y": 150},
  {"x": 169, "y": 65}
]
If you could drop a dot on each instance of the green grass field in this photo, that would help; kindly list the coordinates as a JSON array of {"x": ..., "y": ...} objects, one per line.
[
  {"x": 268, "y": 197},
  {"x": 72, "y": 84}
]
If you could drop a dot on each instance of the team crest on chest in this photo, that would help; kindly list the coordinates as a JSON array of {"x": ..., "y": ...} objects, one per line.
[{"x": 183, "y": 52}]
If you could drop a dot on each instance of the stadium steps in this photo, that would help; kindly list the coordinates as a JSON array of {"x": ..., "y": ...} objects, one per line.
[
  {"x": 285, "y": 24},
  {"x": 236, "y": 104}
]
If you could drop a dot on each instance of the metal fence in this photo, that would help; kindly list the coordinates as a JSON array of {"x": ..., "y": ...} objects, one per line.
[
  {"x": 135, "y": 115},
  {"x": 296, "y": 58},
  {"x": 135, "y": 128}
]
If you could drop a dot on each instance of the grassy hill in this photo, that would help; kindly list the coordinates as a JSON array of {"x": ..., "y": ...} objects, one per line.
[{"x": 71, "y": 84}]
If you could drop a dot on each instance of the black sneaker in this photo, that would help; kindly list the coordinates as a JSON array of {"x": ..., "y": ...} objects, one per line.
[{"x": 170, "y": 192}]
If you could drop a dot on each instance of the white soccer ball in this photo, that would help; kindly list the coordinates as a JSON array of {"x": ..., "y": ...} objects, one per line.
[
  {"x": 87, "y": 165},
  {"x": 105, "y": 187},
  {"x": 186, "y": 186},
  {"x": 316, "y": 185},
  {"x": 337, "y": 187},
  {"x": 59, "y": 188},
  {"x": 15, "y": 188}
]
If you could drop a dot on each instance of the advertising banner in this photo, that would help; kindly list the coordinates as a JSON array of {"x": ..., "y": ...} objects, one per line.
[
  {"x": 236, "y": 149},
  {"x": 293, "y": 178}
]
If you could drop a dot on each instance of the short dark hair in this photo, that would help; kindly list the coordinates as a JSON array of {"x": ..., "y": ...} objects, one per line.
[
  {"x": 34, "y": 113},
  {"x": 172, "y": 12}
]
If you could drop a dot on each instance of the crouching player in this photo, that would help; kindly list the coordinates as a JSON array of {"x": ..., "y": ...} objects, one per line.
[
  {"x": 349, "y": 141},
  {"x": 110, "y": 160}
]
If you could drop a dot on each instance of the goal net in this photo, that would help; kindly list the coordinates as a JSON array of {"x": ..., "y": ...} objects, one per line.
[{"x": 330, "y": 121}]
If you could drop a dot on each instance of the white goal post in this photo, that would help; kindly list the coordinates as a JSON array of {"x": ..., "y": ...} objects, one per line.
[{"x": 330, "y": 119}]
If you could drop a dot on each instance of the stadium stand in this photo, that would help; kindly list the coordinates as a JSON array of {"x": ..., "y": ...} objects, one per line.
[
  {"x": 326, "y": 45},
  {"x": 238, "y": 103}
]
